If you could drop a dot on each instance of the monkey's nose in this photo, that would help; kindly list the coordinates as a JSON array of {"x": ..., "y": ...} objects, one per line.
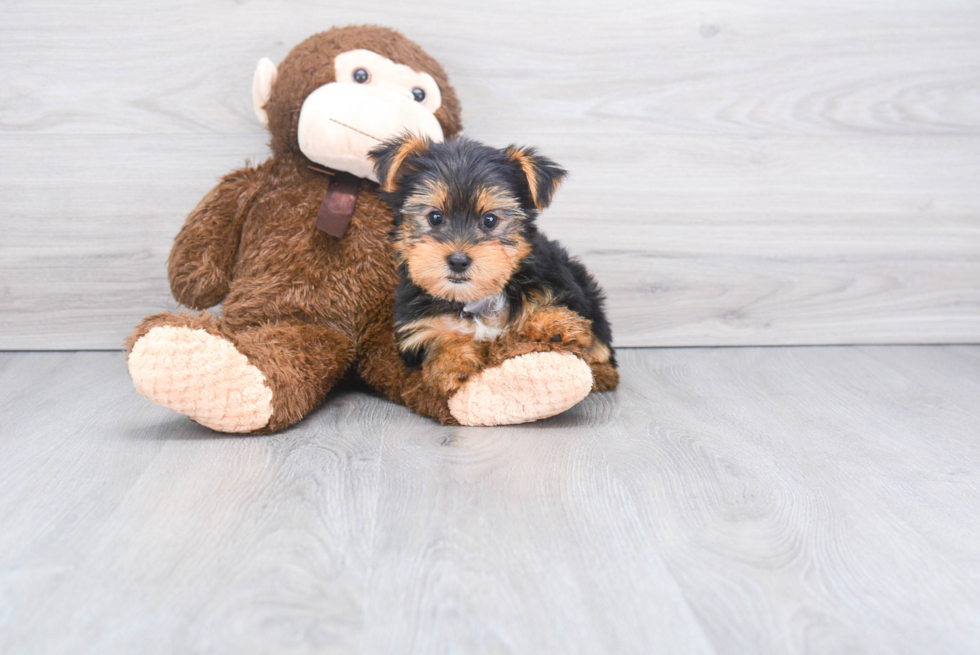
[{"x": 459, "y": 261}]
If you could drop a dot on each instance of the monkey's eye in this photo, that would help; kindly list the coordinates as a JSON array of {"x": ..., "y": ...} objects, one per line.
[
  {"x": 419, "y": 94},
  {"x": 360, "y": 76},
  {"x": 435, "y": 219},
  {"x": 490, "y": 221}
]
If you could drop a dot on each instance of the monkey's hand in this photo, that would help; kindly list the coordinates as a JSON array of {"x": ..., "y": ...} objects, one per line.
[{"x": 204, "y": 251}]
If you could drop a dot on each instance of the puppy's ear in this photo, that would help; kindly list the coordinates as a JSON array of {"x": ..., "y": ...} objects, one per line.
[
  {"x": 389, "y": 159},
  {"x": 542, "y": 175}
]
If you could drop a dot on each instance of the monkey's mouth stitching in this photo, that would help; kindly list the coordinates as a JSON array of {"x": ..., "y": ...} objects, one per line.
[{"x": 370, "y": 136}]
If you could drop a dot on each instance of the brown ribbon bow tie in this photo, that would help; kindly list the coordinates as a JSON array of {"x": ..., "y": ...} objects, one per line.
[{"x": 338, "y": 204}]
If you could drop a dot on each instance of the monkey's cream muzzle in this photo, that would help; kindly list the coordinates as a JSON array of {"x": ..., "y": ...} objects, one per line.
[
  {"x": 340, "y": 123},
  {"x": 372, "y": 100}
]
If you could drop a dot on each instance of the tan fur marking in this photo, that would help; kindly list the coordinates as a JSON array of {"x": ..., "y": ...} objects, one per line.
[
  {"x": 455, "y": 360},
  {"x": 432, "y": 331},
  {"x": 534, "y": 301},
  {"x": 401, "y": 249},
  {"x": 434, "y": 195},
  {"x": 527, "y": 166},
  {"x": 598, "y": 353},
  {"x": 541, "y": 319},
  {"x": 493, "y": 264},
  {"x": 490, "y": 199},
  {"x": 604, "y": 377},
  {"x": 407, "y": 234},
  {"x": 427, "y": 265},
  {"x": 545, "y": 322},
  {"x": 452, "y": 355},
  {"x": 412, "y": 144}
]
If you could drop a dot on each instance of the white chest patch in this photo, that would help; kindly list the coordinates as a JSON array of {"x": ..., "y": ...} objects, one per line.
[{"x": 488, "y": 315}]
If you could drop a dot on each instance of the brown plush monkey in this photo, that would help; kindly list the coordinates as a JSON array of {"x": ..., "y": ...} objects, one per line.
[{"x": 297, "y": 251}]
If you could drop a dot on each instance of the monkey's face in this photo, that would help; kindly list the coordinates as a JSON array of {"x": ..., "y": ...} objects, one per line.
[
  {"x": 339, "y": 100},
  {"x": 373, "y": 99}
]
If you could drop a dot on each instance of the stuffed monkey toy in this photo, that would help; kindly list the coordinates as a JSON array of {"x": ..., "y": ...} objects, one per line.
[{"x": 297, "y": 252}]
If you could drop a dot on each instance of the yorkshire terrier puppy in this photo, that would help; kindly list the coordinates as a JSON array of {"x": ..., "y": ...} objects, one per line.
[{"x": 476, "y": 276}]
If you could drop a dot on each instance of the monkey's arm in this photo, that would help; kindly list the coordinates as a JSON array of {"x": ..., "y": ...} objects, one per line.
[{"x": 204, "y": 251}]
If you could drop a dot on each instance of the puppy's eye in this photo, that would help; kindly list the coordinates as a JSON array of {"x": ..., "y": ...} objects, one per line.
[
  {"x": 490, "y": 221},
  {"x": 360, "y": 76},
  {"x": 435, "y": 219},
  {"x": 419, "y": 94}
]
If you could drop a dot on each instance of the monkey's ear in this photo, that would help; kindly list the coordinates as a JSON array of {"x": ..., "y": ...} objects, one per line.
[
  {"x": 542, "y": 175},
  {"x": 389, "y": 159},
  {"x": 265, "y": 76}
]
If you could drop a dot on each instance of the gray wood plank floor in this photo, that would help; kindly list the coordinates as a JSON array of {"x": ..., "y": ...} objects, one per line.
[{"x": 747, "y": 500}]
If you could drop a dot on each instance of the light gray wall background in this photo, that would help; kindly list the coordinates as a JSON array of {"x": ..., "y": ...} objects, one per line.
[{"x": 764, "y": 172}]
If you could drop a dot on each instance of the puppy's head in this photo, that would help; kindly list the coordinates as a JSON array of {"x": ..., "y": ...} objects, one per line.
[{"x": 464, "y": 212}]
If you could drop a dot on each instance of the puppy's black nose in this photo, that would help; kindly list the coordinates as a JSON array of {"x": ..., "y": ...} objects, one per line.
[{"x": 459, "y": 261}]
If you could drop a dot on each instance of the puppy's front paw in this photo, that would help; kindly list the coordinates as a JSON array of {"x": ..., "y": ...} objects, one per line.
[
  {"x": 446, "y": 374},
  {"x": 558, "y": 326}
]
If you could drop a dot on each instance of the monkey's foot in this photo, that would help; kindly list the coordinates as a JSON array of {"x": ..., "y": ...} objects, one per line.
[
  {"x": 522, "y": 389},
  {"x": 202, "y": 376}
]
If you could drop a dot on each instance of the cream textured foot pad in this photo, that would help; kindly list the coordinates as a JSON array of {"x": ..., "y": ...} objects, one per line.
[
  {"x": 201, "y": 376},
  {"x": 523, "y": 389}
]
